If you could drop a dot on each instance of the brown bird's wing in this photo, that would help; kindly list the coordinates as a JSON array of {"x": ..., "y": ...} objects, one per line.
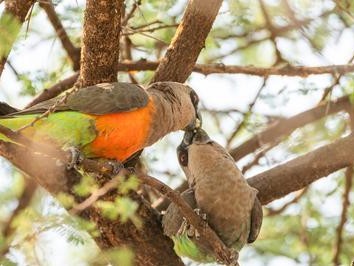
[
  {"x": 256, "y": 221},
  {"x": 99, "y": 99}
]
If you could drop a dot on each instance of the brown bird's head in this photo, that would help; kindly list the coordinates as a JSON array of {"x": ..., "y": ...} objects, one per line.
[
  {"x": 198, "y": 137},
  {"x": 178, "y": 105}
]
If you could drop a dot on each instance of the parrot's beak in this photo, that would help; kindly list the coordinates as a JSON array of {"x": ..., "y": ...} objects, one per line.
[{"x": 195, "y": 124}]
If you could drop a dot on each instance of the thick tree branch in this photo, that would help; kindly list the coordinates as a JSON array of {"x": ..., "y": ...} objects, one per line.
[
  {"x": 100, "y": 42},
  {"x": 72, "y": 51},
  {"x": 19, "y": 10},
  {"x": 99, "y": 63},
  {"x": 302, "y": 171},
  {"x": 286, "y": 126},
  {"x": 181, "y": 55}
]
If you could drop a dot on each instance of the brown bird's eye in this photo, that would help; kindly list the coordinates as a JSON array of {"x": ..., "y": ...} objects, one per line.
[
  {"x": 183, "y": 158},
  {"x": 194, "y": 98}
]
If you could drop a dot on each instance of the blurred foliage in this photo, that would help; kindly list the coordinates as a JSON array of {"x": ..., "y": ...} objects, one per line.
[
  {"x": 120, "y": 256},
  {"x": 305, "y": 232},
  {"x": 9, "y": 27}
]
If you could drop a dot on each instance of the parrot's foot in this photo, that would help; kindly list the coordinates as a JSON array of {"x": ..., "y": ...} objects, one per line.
[
  {"x": 117, "y": 166},
  {"x": 76, "y": 158}
]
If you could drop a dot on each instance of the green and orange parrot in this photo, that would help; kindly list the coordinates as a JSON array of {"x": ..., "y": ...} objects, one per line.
[
  {"x": 108, "y": 120},
  {"x": 218, "y": 190}
]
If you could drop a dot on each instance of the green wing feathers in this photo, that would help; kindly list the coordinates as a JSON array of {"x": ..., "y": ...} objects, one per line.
[{"x": 63, "y": 128}]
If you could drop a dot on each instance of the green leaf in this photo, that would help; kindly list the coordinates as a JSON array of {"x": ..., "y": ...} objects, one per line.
[
  {"x": 130, "y": 184},
  {"x": 86, "y": 186}
]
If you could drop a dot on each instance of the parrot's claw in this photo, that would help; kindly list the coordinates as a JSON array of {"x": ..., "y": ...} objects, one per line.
[
  {"x": 75, "y": 159},
  {"x": 117, "y": 166}
]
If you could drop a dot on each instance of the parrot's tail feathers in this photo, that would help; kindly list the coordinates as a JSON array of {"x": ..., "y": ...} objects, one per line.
[
  {"x": 256, "y": 221},
  {"x": 6, "y": 109}
]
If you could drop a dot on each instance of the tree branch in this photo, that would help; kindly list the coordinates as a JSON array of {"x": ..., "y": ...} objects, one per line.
[
  {"x": 181, "y": 55},
  {"x": 144, "y": 65},
  {"x": 302, "y": 171},
  {"x": 207, "y": 69},
  {"x": 99, "y": 63},
  {"x": 100, "y": 42},
  {"x": 55, "y": 90},
  {"x": 286, "y": 126},
  {"x": 343, "y": 218},
  {"x": 72, "y": 51}
]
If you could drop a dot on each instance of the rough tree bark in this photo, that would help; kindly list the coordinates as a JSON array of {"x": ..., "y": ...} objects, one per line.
[
  {"x": 298, "y": 173},
  {"x": 99, "y": 63},
  {"x": 100, "y": 42}
]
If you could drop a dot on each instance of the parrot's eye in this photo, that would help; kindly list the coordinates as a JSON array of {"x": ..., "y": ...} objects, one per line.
[
  {"x": 194, "y": 98},
  {"x": 183, "y": 158}
]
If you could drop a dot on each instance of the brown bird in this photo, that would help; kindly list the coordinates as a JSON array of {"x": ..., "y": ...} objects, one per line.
[{"x": 220, "y": 191}]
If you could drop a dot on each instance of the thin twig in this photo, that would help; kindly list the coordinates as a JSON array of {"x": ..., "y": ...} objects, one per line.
[
  {"x": 72, "y": 51},
  {"x": 55, "y": 90},
  {"x": 345, "y": 205},
  {"x": 95, "y": 195},
  {"x": 250, "y": 108}
]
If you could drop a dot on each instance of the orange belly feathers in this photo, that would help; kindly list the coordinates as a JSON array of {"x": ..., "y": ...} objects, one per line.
[{"x": 122, "y": 134}]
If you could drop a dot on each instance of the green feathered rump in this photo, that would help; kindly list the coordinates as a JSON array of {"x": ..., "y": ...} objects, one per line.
[
  {"x": 64, "y": 129},
  {"x": 185, "y": 247}
]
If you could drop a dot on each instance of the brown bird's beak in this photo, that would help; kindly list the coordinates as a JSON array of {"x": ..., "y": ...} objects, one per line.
[
  {"x": 201, "y": 137},
  {"x": 188, "y": 138}
]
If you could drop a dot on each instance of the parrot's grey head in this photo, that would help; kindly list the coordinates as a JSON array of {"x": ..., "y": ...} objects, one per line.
[{"x": 182, "y": 100}]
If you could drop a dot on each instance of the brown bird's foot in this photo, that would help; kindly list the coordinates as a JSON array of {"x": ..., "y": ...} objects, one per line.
[
  {"x": 75, "y": 159},
  {"x": 201, "y": 214},
  {"x": 233, "y": 258},
  {"x": 189, "y": 229}
]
